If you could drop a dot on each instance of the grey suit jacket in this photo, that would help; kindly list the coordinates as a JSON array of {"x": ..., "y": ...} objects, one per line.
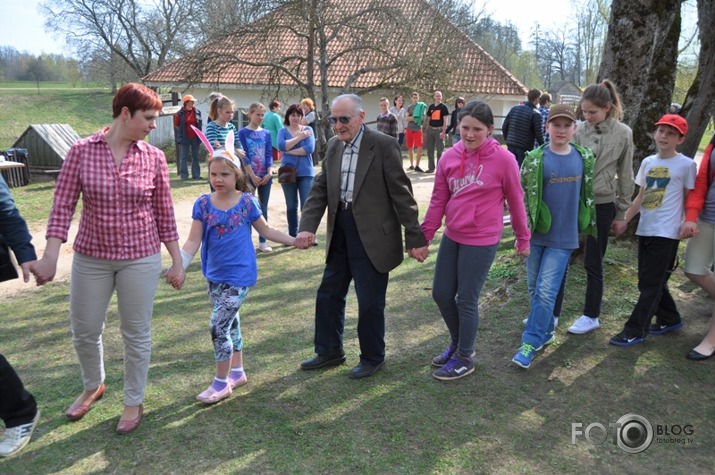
[{"x": 382, "y": 200}]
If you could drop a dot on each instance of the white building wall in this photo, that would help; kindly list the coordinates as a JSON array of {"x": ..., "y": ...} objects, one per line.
[{"x": 164, "y": 133}]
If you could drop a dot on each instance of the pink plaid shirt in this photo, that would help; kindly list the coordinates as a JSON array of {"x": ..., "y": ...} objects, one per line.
[{"x": 127, "y": 211}]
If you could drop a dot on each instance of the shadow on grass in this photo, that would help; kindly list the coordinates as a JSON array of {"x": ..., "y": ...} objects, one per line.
[{"x": 501, "y": 419}]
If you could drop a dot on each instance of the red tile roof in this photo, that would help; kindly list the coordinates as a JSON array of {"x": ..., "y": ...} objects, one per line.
[{"x": 425, "y": 51}]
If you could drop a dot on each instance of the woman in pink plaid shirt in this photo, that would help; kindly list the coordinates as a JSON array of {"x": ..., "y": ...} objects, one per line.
[{"x": 127, "y": 212}]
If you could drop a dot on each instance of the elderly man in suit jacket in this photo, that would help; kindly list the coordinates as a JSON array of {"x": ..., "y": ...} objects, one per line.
[{"x": 369, "y": 198}]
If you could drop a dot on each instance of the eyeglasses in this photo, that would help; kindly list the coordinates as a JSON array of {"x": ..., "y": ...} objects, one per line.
[{"x": 343, "y": 119}]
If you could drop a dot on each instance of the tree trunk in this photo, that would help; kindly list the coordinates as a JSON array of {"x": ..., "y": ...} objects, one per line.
[
  {"x": 699, "y": 104},
  {"x": 640, "y": 57}
]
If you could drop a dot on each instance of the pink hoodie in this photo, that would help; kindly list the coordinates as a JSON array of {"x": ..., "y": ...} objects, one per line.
[{"x": 470, "y": 189}]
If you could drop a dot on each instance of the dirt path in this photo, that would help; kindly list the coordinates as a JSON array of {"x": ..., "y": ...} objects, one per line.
[{"x": 422, "y": 185}]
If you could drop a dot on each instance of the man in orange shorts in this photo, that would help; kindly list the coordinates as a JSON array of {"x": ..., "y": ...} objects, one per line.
[{"x": 413, "y": 132}]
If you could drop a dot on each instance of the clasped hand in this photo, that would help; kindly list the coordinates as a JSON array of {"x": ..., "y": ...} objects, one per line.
[
  {"x": 304, "y": 240},
  {"x": 418, "y": 253}
]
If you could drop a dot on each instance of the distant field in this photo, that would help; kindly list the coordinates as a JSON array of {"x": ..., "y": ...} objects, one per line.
[{"x": 85, "y": 107}]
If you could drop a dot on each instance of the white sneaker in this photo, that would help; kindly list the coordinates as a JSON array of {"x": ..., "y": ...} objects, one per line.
[
  {"x": 556, "y": 321},
  {"x": 583, "y": 325},
  {"x": 263, "y": 247},
  {"x": 17, "y": 438}
]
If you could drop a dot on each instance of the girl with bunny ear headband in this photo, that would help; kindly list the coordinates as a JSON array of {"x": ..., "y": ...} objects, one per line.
[
  {"x": 228, "y": 153},
  {"x": 221, "y": 229}
]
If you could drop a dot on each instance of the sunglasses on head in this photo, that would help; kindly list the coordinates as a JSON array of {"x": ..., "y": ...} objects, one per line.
[{"x": 343, "y": 119}]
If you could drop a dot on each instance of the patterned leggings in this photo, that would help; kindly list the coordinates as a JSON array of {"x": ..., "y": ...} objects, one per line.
[{"x": 225, "y": 323}]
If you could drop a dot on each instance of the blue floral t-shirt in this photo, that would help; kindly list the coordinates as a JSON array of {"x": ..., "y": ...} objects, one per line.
[
  {"x": 259, "y": 149},
  {"x": 227, "y": 254}
]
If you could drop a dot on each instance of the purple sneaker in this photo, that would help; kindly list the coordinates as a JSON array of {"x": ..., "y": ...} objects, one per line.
[
  {"x": 442, "y": 359},
  {"x": 457, "y": 367}
]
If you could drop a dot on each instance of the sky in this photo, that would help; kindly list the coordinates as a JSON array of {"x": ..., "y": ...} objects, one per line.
[{"x": 24, "y": 30}]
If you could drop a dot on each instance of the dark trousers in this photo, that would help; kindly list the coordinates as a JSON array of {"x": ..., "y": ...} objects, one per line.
[
  {"x": 593, "y": 259},
  {"x": 594, "y": 251},
  {"x": 347, "y": 260},
  {"x": 656, "y": 261},
  {"x": 519, "y": 153},
  {"x": 17, "y": 406}
]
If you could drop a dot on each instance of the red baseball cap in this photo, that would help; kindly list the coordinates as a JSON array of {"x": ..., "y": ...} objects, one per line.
[
  {"x": 188, "y": 98},
  {"x": 676, "y": 121}
]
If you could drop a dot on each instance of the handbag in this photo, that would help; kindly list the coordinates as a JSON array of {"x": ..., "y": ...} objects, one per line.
[{"x": 286, "y": 175}]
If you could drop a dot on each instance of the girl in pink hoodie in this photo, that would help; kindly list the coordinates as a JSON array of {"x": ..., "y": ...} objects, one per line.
[{"x": 473, "y": 179}]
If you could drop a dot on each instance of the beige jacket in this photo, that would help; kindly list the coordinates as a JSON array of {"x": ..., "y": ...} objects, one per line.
[{"x": 611, "y": 142}]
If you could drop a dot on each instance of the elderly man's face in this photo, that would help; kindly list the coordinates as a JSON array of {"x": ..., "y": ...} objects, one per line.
[{"x": 346, "y": 108}]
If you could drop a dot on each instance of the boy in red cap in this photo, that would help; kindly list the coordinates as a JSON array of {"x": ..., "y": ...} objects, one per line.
[{"x": 665, "y": 179}]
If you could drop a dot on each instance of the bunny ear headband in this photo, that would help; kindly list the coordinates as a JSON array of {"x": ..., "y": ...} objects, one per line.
[{"x": 227, "y": 152}]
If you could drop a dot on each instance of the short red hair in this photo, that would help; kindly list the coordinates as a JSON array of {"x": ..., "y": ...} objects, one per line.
[{"x": 135, "y": 97}]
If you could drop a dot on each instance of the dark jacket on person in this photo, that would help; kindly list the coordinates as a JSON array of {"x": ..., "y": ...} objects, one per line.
[
  {"x": 13, "y": 232},
  {"x": 523, "y": 126},
  {"x": 181, "y": 132}
]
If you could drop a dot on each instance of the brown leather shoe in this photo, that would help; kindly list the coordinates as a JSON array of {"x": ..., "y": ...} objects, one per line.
[
  {"x": 77, "y": 411},
  {"x": 125, "y": 427}
]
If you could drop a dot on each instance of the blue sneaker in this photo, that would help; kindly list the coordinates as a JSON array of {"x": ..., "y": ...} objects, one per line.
[
  {"x": 550, "y": 338},
  {"x": 457, "y": 367},
  {"x": 525, "y": 355},
  {"x": 623, "y": 339},
  {"x": 658, "y": 329}
]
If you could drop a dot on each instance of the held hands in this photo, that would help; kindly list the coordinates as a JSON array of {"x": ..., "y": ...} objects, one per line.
[
  {"x": 304, "y": 240},
  {"x": 26, "y": 270},
  {"x": 44, "y": 270},
  {"x": 418, "y": 253},
  {"x": 688, "y": 229},
  {"x": 176, "y": 275},
  {"x": 524, "y": 252},
  {"x": 618, "y": 226}
]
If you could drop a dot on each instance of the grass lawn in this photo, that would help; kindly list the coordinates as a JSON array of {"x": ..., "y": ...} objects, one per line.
[
  {"x": 501, "y": 419},
  {"x": 86, "y": 110}
]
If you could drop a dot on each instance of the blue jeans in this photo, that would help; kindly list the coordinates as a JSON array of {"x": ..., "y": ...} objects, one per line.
[
  {"x": 291, "y": 191},
  {"x": 192, "y": 144},
  {"x": 459, "y": 275},
  {"x": 264, "y": 193},
  {"x": 545, "y": 268}
]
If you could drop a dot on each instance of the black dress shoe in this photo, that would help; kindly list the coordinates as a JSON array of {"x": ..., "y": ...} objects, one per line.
[
  {"x": 695, "y": 356},
  {"x": 363, "y": 370},
  {"x": 321, "y": 361}
]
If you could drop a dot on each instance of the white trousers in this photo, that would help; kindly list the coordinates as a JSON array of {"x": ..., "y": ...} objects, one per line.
[{"x": 91, "y": 288}]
